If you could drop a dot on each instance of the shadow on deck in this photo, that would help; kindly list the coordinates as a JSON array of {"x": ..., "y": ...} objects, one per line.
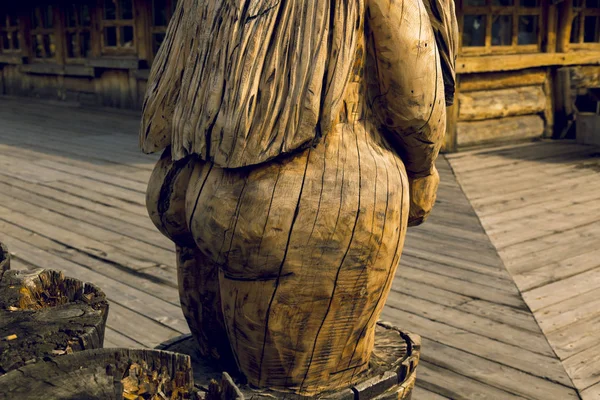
[{"x": 72, "y": 185}]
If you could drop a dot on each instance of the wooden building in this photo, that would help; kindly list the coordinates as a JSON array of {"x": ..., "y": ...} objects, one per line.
[
  {"x": 520, "y": 65},
  {"x": 92, "y": 51}
]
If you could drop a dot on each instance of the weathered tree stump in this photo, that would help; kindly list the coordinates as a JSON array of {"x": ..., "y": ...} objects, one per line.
[
  {"x": 4, "y": 260},
  {"x": 103, "y": 374},
  {"x": 43, "y": 313},
  {"x": 391, "y": 373}
]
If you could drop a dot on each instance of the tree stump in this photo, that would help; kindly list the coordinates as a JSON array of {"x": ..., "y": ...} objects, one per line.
[
  {"x": 4, "y": 260},
  {"x": 43, "y": 313},
  {"x": 103, "y": 374},
  {"x": 391, "y": 373}
]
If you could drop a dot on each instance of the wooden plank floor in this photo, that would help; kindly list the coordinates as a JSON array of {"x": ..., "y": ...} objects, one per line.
[
  {"x": 540, "y": 205},
  {"x": 72, "y": 186}
]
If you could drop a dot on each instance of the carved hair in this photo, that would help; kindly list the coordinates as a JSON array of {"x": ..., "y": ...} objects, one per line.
[{"x": 239, "y": 82}]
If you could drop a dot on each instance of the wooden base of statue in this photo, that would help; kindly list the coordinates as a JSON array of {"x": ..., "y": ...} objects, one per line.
[
  {"x": 45, "y": 314},
  {"x": 391, "y": 373},
  {"x": 103, "y": 374}
]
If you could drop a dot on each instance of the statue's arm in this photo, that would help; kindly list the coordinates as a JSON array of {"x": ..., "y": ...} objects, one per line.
[{"x": 406, "y": 90}]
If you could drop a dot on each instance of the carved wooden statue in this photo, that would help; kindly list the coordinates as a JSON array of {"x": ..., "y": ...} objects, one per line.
[{"x": 299, "y": 141}]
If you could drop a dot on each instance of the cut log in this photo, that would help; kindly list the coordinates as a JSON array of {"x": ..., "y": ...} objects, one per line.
[
  {"x": 102, "y": 374},
  {"x": 391, "y": 373},
  {"x": 477, "y": 106},
  {"x": 4, "y": 260},
  {"x": 499, "y": 130},
  {"x": 43, "y": 314},
  {"x": 501, "y": 80},
  {"x": 584, "y": 77}
]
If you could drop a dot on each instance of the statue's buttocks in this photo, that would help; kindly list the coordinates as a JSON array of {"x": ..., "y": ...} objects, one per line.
[{"x": 306, "y": 248}]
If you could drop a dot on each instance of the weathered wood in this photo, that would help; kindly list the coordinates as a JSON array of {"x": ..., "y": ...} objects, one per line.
[
  {"x": 575, "y": 338},
  {"x": 583, "y": 77},
  {"x": 98, "y": 374},
  {"x": 42, "y": 314},
  {"x": 313, "y": 146},
  {"x": 583, "y": 367},
  {"x": 540, "y": 367},
  {"x": 501, "y": 80},
  {"x": 482, "y": 105},
  {"x": 565, "y": 23},
  {"x": 547, "y": 233},
  {"x": 391, "y": 373},
  {"x": 4, "y": 260},
  {"x": 501, "y": 129},
  {"x": 499, "y": 63},
  {"x": 451, "y": 121},
  {"x": 144, "y": 298}
]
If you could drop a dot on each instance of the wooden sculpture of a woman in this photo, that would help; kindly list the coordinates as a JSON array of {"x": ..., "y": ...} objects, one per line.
[{"x": 299, "y": 141}]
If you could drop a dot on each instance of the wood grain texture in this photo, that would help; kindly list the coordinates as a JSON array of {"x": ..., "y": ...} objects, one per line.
[
  {"x": 500, "y": 129},
  {"x": 391, "y": 373},
  {"x": 42, "y": 313},
  {"x": 91, "y": 374},
  {"x": 482, "y": 105},
  {"x": 292, "y": 232},
  {"x": 547, "y": 231},
  {"x": 501, "y": 80}
]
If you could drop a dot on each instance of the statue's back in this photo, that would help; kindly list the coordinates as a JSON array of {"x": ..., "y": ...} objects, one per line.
[{"x": 241, "y": 82}]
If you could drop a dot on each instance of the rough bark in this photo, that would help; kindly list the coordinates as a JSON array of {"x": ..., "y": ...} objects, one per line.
[
  {"x": 91, "y": 375},
  {"x": 4, "y": 260}
]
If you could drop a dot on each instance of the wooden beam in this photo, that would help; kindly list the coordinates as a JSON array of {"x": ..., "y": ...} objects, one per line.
[
  {"x": 96, "y": 33},
  {"x": 564, "y": 26},
  {"x": 551, "y": 27},
  {"x": 142, "y": 21},
  {"x": 470, "y": 65},
  {"x": 449, "y": 145},
  {"x": 501, "y": 80},
  {"x": 549, "y": 109}
]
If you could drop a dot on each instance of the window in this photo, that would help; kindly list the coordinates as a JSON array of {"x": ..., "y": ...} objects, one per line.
[
  {"x": 43, "y": 39},
  {"x": 504, "y": 26},
  {"x": 10, "y": 40},
  {"x": 118, "y": 26},
  {"x": 585, "y": 30},
  {"x": 162, "y": 11},
  {"x": 78, "y": 24}
]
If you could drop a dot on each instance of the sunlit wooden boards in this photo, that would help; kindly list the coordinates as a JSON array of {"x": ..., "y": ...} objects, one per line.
[{"x": 540, "y": 205}]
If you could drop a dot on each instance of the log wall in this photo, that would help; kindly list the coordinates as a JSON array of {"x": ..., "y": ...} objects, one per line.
[
  {"x": 118, "y": 88},
  {"x": 498, "y": 107}
]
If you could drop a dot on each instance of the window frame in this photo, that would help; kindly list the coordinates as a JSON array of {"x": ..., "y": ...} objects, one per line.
[
  {"x": 118, "y": 23},
  {"x": 54, "y": 31},
  {"x": 516, "y": 11},
  {"x": 78, "y": 30},
  {"x": 583, "y": 12},
  {"x": 7, "y": 28}
]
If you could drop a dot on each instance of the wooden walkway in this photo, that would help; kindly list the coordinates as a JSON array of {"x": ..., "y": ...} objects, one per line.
[
  {"x": 72, "y": 186},
  {"x": 540, "y": 205}
]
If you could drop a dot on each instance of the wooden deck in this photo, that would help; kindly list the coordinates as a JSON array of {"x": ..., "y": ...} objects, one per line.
[
  {"x": 72, "y": 186},
  {"x": 540, "y": 205}
]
